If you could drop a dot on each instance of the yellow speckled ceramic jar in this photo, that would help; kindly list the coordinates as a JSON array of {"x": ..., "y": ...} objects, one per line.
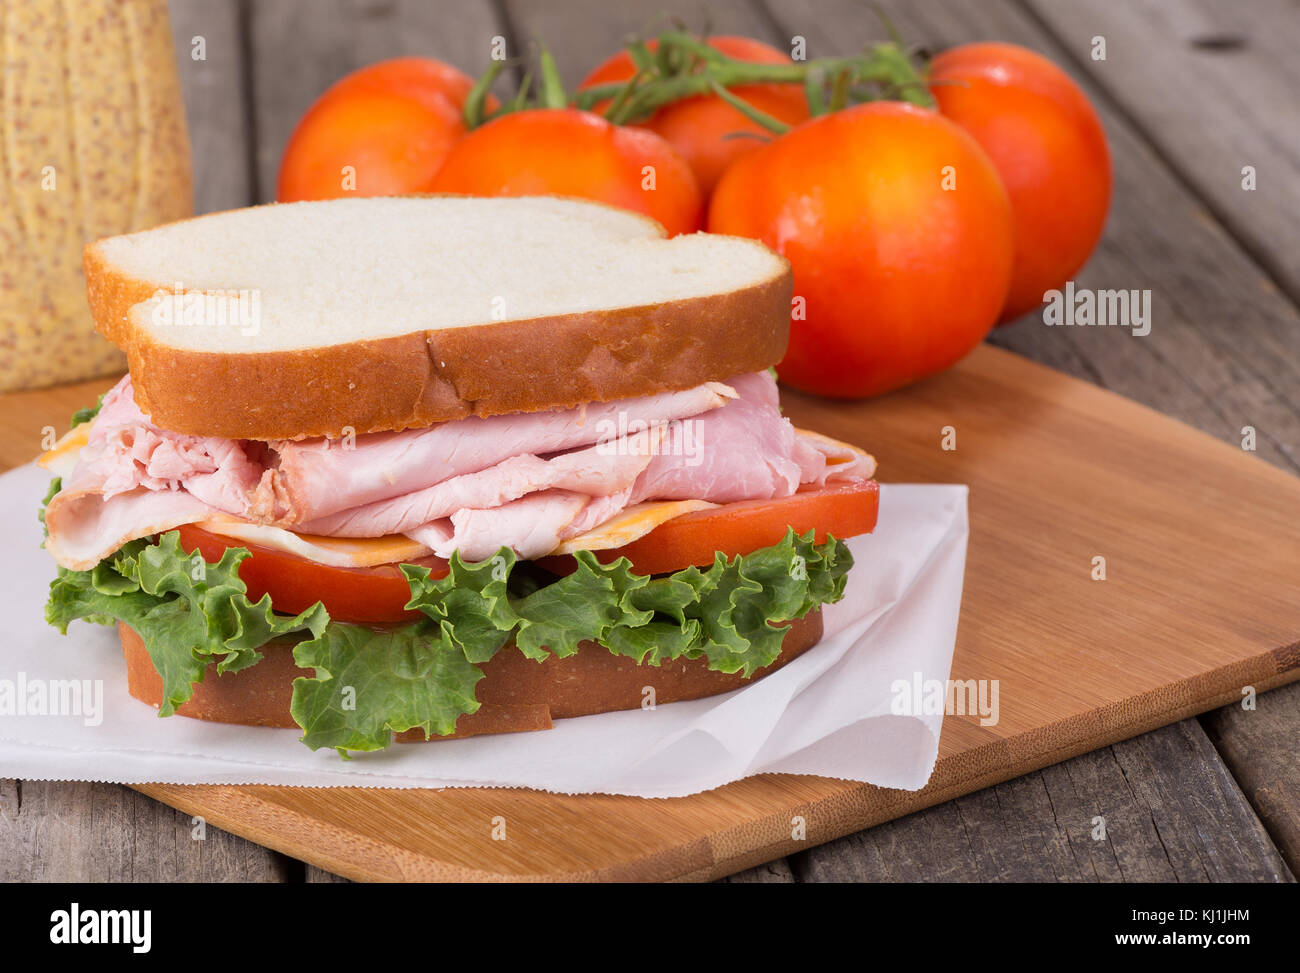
[{"x": 92, "y": 143}]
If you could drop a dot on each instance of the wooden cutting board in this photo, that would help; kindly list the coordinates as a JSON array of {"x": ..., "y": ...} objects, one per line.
[{"x": 1201, "y": 598}]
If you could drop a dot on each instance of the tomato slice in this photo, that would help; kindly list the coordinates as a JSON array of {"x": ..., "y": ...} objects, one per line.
[
  {"x": 372, "y": 596},
  {"x": 842, "y": 509},
  {"x": 376, "y": 595}
]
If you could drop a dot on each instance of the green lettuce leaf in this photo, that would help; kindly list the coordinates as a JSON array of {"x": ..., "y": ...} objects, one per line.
[
  {"x": 188, "y": 612},
  {"x": 471, "y": 605},
  {"x": 56, "y": 485},
  {"x": 87, "y": 414},
  {"x": 741, "y": 598},
  {"x": 724, "y": 614},
  {"x": 581, "y": 607},
  {"x": 370, "y": 684}
]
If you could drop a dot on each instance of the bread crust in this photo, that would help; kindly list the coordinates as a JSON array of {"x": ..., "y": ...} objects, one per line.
[
  {"x": 516, "y": 693},
  {"x": 415, "y": 380}
]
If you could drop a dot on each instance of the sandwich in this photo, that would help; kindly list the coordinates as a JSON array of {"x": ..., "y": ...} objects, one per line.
[{"x": 429, "y": 467}]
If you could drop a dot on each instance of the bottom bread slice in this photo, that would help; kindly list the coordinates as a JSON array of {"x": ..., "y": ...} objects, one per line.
[{"x": 516, "y": 693}]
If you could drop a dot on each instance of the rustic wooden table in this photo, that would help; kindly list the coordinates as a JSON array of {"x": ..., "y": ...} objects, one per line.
[{"x": 1190, "y": 92}]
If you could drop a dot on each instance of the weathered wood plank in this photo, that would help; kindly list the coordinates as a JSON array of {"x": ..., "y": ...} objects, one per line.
[
  {"x": 1259, "y": 747},
  {"x": 1171, "y": 812},
  {"x": 301, "y": 47},
  {"x": 73, "y": 831},
  {"x": 1213, "y": 87},
  {"x": 773, "y": 872},
  {"x": 216, "y": 105}
]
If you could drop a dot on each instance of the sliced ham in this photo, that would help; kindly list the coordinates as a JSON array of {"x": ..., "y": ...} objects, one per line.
[
  {"x": 833, "y": 461},
  {"x": 593, "y": 471},
  {"x": 126, "y": 451},
  {"x": 597, "y": 511},
  {"x": 132, "y": 480},
  {"x": 743, "y": 451},
  {"x": 532, "y": 526},
  {"x": 811, "y": 461},
  {"x": 436, "y": 535},
  {"x": 316, "y": 478},
  {"x": 525, "y": 481},
  {"x": 85, "y": 527}
]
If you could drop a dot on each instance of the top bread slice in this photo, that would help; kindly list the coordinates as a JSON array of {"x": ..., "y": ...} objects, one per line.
[{"x": 298, "y": 320}]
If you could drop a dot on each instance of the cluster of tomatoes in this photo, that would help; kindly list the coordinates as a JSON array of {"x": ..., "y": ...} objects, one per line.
[{"x": 910, "y": 231}]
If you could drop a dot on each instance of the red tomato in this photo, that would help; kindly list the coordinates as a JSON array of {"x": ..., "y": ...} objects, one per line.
[
  {"x": 392, "y": 122},
  {"x": 899, "y": 234},
  {"x": 843, "y": 510},
  {"x": 567, "y": 152},
  {"x": 1043, "y": 135},
  {"x": 363, "y": 595},
  {"x": 704, "y": 129},
  {"x": 376, "y": 596}
]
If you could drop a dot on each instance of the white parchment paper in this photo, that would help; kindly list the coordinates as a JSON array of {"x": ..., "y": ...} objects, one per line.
[{"x": 826, "y": 713}]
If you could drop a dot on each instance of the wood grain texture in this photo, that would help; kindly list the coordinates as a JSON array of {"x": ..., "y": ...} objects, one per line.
[
  {"x": 1224, "y": 350},
  {"x": 1059, "y": 471},
  {"x": 1189, "y": 93},
  {"x": 1157, "y": 808},
  {"x": 73, "y": 831},
  {"x": 1215, "y": 94},
  {"x": 776, "y": 872},
  {"x": 216, "y": 101},
  {"x": 28, "y": 419},
  {"x": 300, "y": 47},
  {"x": 1259, "y": 747}
]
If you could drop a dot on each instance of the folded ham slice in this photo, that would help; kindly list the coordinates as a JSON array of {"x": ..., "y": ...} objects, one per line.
[
  {"x": 131, "y": 480},
  {"x": 824, "y": 460},
  {"x": 745, "y": 451},
  {"x": 125, "y": 451},
  {"x": 85, "y": 527},
  {"x": 532, "y": 526},
  {"x": 535, "y": 525}
]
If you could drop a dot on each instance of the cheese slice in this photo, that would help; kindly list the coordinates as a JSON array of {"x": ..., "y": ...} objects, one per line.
[
  {"x": 363, "y": 552},
  {"x": 634, "y": 522},
  {"x": 60, "y": 459},
  {"x": 338, "y": 552}
]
